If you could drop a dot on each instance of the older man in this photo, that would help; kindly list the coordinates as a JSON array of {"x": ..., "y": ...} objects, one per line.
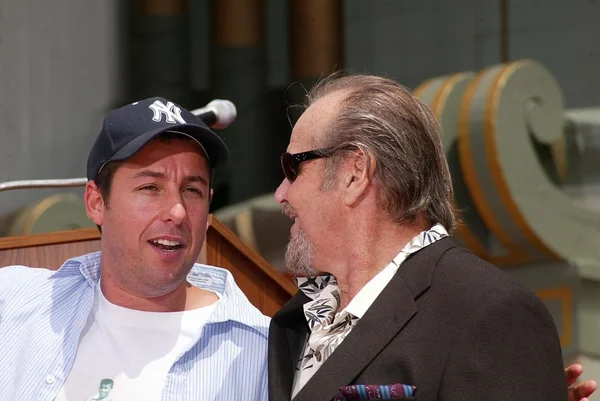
[
  {"x": 141, "y": 314},
  {"x": 389, "y": 306}
]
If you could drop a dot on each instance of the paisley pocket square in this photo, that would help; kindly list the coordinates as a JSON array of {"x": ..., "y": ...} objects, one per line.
[{"x": 358, "y": 392}]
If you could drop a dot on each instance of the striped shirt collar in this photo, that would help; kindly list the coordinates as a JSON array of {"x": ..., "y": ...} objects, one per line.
[{"x": 233, "y": 306}]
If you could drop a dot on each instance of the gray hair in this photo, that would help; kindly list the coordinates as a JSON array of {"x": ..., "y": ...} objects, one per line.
[{"x": 389, "y": 123}]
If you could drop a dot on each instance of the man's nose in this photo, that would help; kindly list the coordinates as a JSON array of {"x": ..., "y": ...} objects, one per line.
[
  {"x": 281, "y": 192},
  {"x": 175, "y": 210}
]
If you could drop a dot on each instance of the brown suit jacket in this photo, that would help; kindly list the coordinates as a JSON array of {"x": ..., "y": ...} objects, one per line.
[{"x": 449, "y": 323}]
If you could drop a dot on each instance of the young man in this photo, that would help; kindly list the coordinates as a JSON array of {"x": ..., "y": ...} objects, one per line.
[
  {"x": 140, "y": 313},
  {"x": 389, "y": 306}
]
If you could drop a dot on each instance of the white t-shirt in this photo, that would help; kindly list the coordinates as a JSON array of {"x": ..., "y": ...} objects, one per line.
[{"x": 125, "y": 354}]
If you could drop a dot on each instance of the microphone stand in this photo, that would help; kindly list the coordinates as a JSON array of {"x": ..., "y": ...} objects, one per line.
[{"x": 54, "y": 183}]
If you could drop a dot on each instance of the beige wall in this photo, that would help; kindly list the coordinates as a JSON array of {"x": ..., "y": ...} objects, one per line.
[{"x": 59, "y": 74}]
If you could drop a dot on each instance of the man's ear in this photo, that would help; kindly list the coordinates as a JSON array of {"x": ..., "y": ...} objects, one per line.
[
  {"x": 210, "y": 196},
  {"x": 358, "y": 174},
  {"x": 94, "y": 203}
]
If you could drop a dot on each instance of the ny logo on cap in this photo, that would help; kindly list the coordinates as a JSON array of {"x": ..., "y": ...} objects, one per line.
[{"x": 171, "y": 112}]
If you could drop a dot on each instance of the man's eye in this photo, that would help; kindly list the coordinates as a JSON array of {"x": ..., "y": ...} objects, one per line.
[
  {"x": 193, "y": 190},
  {"x": 149, "y": 188}
]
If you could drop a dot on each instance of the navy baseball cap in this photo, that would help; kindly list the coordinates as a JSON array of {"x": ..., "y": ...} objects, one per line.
[{"x": 128, "y": 129}]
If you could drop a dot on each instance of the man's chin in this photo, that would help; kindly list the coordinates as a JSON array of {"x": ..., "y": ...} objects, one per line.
[
  {"x": 299, "y": 256},
  {"x": 300, "y": 270}
]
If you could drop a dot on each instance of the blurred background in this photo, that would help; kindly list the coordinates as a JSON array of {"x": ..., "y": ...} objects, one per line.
[{"x": 515, "y": 85}]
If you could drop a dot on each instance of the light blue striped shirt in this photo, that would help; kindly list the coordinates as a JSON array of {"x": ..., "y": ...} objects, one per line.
[{"x": 43, "y": 312}]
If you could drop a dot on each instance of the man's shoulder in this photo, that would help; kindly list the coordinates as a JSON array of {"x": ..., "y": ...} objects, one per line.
[
  {"x": 462, "y": 272},
  {"x": 462, "y": 261},
  {"x": 10, "y": 275},
  {"x": 22, "y": 288},
  {"x": 22, "y": 280}
]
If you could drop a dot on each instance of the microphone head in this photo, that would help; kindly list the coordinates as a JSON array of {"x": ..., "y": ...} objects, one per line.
[{"x": 225, "y": 112}]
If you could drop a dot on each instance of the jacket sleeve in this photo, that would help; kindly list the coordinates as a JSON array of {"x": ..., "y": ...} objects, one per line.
[{"x": 510, "y": 351}]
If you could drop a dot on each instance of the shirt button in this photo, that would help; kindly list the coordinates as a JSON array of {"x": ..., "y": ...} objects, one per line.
[
  {"x": 50, "y": 379},
  {"x": 318, "y": 356}
]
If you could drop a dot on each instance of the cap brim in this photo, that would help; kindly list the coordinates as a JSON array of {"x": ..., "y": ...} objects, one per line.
[{"x": 214, "y": 146}]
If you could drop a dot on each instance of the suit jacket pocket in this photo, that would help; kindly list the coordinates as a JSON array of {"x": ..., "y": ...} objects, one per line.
[{"x": 358, "y": 392}]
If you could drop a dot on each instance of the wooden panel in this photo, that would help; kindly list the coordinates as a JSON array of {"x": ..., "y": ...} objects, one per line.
[
  {"x": 264, "y": 286},
  {"x": 48, "y": 250}
]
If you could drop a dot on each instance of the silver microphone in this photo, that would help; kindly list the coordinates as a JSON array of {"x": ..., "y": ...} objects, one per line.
[{"x": 218, "y": 114}]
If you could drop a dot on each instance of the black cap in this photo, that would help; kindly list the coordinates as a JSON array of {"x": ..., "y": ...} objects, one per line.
[{"x": 127, "y": 129}]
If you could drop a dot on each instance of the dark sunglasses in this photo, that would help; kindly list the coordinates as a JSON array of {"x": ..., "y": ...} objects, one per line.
[{"x": 290, "y": 163}]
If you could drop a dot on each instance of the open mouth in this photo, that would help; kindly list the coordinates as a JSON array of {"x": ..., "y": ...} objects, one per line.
[{"x": 166, "y": 245}]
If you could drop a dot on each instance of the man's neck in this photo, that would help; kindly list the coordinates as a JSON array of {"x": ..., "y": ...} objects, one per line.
[
  {"x": 366, "y": 253},
  {"x": 184, "y": 297}
]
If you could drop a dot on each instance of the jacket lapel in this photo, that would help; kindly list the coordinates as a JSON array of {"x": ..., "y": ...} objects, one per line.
[
  {"x": 380, "y": 324},
  {"x": 287, "y": 334}
]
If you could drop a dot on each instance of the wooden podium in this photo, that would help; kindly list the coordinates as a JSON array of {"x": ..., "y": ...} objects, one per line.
[{"x": 264, "y": 286}]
